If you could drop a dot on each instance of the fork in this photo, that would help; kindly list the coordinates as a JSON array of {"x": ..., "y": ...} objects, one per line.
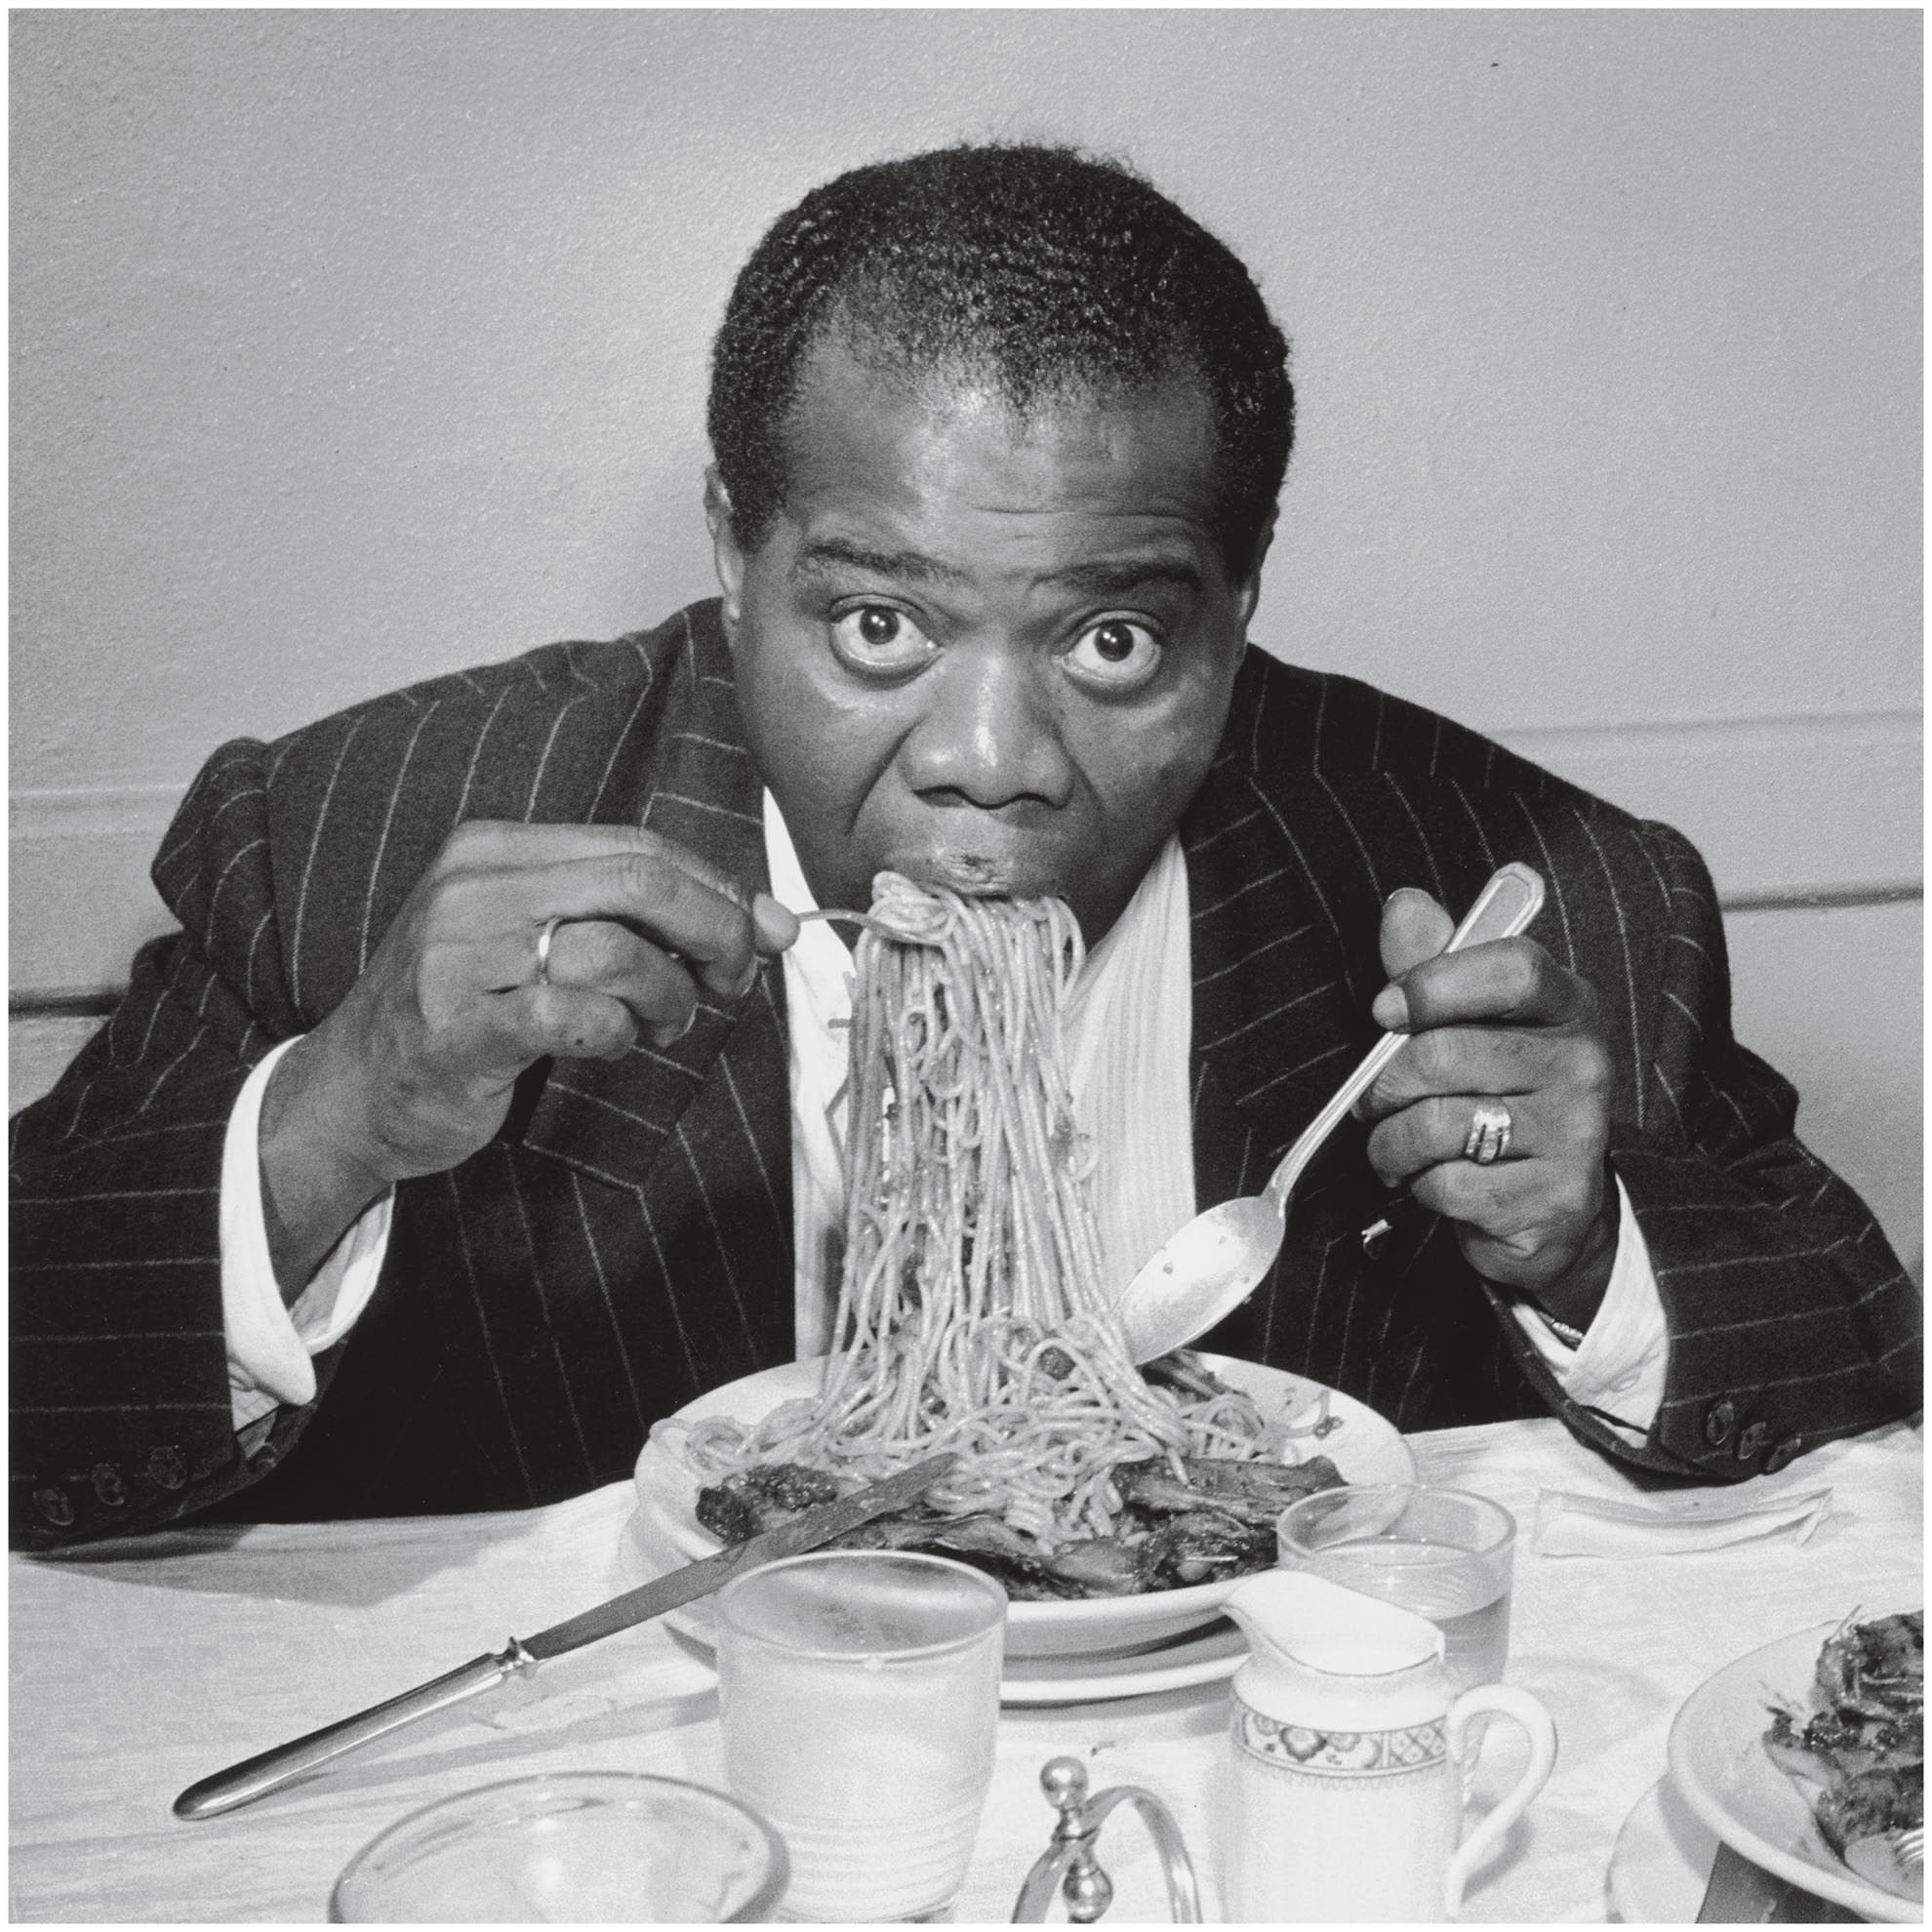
[
  {"x": 871, "y": 925},
  {"x": 1908, "y": 1846}
]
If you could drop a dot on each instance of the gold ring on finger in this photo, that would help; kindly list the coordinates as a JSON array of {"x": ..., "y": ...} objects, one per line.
[
  {"x": 1488, "y": 1139},
  {"x": 543, "y": 939}
]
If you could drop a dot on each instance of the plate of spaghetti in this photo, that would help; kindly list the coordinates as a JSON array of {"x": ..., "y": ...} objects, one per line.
[
  {"x": 675, "y": 1470},
  {"x": 1119, "y": 1507}
]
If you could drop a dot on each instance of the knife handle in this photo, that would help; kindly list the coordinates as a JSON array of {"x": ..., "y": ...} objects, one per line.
[{"x": 269, "y": 1772}]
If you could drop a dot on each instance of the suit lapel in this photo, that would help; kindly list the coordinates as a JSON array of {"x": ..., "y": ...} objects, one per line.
[
  {"x": 610, "y": 1119},
  {"x": 1280, "y": 1005}
]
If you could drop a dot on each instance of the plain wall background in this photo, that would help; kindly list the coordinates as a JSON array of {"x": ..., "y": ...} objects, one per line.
[{"x": 350, "y": 347}]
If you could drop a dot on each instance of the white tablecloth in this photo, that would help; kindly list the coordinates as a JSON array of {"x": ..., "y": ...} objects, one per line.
[{"x": 136, "y": 1670}]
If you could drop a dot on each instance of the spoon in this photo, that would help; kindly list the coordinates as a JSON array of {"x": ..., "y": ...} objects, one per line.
[{"x": 1212, "y": 1266}]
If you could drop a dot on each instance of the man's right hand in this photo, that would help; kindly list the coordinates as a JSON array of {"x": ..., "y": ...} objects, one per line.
[{"x": 414, "y": 1071}]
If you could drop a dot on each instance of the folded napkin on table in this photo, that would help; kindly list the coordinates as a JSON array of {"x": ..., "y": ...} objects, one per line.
[{"x": 1568, "y": 1525}]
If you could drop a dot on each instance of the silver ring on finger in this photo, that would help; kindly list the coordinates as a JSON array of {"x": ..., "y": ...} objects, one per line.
[
  {"x": 543, "y": 939},
  {"x": 1488, "y": 1140}
]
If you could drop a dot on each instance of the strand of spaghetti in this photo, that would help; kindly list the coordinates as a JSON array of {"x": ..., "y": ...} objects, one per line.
[{"x": 1038, "y": 1225}]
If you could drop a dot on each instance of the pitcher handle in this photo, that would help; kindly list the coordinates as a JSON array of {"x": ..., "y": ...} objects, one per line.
[{"x": 1505, "y": 1701}]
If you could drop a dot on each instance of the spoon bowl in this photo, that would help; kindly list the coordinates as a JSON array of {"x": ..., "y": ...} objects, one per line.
[{"x": 1214, "y": 1262}]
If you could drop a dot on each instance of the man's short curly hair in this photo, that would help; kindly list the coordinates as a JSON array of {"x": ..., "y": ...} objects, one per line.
[{"x": 1036, "y": 268}]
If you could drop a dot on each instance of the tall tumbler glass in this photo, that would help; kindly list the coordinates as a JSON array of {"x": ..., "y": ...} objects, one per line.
[{"x": 859, "y": 1694}]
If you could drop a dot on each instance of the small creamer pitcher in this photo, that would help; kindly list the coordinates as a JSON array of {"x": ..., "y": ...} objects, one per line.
[{"x": 1345, "y": 1801}]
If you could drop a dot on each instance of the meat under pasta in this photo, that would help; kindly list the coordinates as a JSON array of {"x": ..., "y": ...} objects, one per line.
[{"x": 971, "y": 1315}]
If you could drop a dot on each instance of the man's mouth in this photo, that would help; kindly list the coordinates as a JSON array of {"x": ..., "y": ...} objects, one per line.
[
  {"x": 974, "y": 873},
  {"x": 978, "y": 873}
]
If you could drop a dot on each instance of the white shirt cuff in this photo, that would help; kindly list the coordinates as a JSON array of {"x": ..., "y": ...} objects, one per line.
[
  {"x": 1618, "y": 1369},
  {"x": 269, "y": 1344}
]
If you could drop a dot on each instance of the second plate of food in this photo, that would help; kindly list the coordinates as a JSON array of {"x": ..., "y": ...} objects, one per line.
[
  {"x": 1719, "y": 1765},
  {"x": 1364, "y": 1447}
]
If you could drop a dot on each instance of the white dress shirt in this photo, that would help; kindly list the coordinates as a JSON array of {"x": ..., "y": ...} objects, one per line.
[
  {"x": 270, "y": 1344},
  {"x": 1128, "y": 1037}
]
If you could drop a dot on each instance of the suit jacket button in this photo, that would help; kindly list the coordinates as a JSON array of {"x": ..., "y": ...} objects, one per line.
[
  {"x": 168, "y": 1467},
  {"x": 1718, "y": 1421},
  {"x": 1782, "y": 1453},
  {"x": 108, "y": 1485},
  {"x": 1750, "y": 1440},
  {"x": 56, "y": 1505}
]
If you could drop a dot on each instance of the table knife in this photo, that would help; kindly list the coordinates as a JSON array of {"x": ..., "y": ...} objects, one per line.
[
  {"x": 1740, "y": 1893},
  {"x": 257, "y": 1775}
]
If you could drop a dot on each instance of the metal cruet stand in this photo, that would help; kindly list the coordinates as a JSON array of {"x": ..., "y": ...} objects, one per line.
[{"x": 1069, "y": 1866}]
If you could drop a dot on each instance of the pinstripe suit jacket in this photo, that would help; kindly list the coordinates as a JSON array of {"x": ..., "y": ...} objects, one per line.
[{"x": 626, "y": 1241}]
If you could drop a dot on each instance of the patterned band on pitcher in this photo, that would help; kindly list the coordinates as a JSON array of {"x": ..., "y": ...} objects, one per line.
[{"x": 1339, "y": 1753}]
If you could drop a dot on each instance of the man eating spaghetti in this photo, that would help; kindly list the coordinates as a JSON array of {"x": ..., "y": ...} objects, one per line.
[{"x": 491, "y": 1100}]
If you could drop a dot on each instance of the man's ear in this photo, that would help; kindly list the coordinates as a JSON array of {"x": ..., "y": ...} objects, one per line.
[
  {"x": 727, "y": 557},
  {"x": 1247, "y": 592}
]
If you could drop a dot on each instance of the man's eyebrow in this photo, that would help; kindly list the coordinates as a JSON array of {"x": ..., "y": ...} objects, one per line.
[
  {"x": 1102, "y": 577},
  {"x": 1116, "y": 578},
  {"x": 824, "y": 552}
]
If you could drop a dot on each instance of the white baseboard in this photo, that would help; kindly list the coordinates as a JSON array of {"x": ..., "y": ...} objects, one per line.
[
  {"x": 128, "y": 811},
  {"x": 1802, "y": 809},
  {"x": 78, "y": 896}
]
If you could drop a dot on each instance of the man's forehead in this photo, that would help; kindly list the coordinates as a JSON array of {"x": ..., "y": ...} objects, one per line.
[{"x": 875, "y": 463}]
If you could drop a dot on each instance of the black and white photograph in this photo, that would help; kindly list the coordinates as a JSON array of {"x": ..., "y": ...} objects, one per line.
[{"x": 966, "y": 965}]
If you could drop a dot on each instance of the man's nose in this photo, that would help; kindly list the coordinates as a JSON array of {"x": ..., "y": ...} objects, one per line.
[{"x": 989, "y": 732}]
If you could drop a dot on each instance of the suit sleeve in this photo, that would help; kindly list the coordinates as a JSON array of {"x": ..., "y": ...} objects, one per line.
[
  {"x": 1791, "y": 1320},
  {"x": 121, "y": 1416}
]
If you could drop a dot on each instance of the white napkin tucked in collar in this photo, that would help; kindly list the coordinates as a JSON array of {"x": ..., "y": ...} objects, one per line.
[{"x": 1568, "y": 1525}]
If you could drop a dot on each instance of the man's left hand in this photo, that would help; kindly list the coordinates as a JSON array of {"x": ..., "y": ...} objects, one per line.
[{"x": 1502, "y": 1025}]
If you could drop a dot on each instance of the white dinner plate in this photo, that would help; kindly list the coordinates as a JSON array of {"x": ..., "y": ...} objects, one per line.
[
  {"x": 1206, "y": 1656},
  {"x": 1364, "y": 1446},
  {"x": 1199, "y": 1657},
  {"x": 1722, "y": 1769},
  {"x": 1660, "y": 1863}
]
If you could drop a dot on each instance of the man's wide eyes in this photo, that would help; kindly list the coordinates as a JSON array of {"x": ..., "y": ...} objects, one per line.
[
  {"x": 878, "y": 637},
  {"x": 880, "y": 640},
  {"x": 1114, "y": 655}
]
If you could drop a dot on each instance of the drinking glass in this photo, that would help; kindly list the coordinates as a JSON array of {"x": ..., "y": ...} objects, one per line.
[
  {"x": 573, "y": 1847},
  {"x": 1445, "y": 1553},
  {"x": 859, "y": 1694}
]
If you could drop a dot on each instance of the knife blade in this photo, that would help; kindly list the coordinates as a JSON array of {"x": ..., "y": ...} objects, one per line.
[
  {"x": 1740, "y": 1893},
  {"x": 270, "y": 1770}
]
